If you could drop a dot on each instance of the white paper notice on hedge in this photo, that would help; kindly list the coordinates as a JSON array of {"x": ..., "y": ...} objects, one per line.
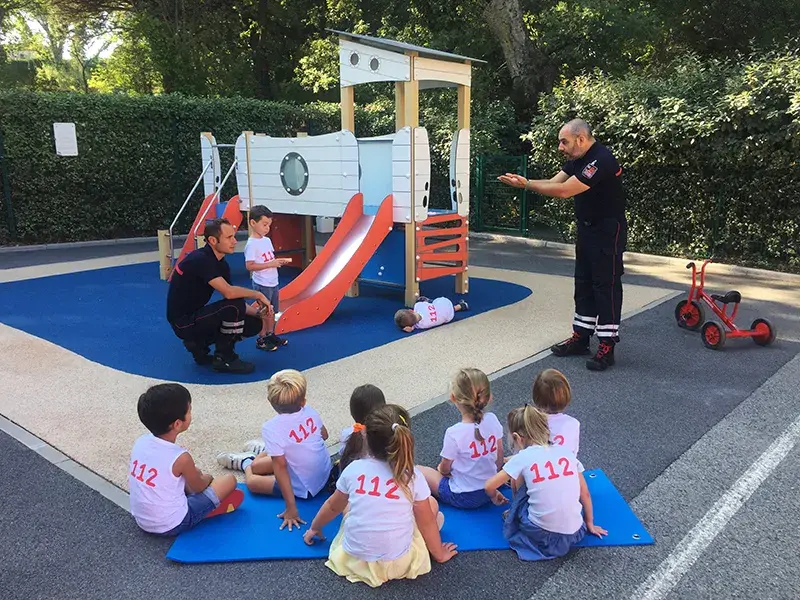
[{"x": 66, "y": 140}]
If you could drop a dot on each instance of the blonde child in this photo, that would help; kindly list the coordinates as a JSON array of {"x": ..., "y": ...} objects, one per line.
[
  {"x": 552, "y": 395},
  {"x": 473, "y": 448},
  {"x": 544, "y": 520},
  {"x": 260, "y": 261},
  {"x": 163, "y": 473},
  {"x": 364, "y": 399},
  {"x": 295, "y": 462},
  {"x": 428, "y": 313},
  {"x": 390, "y": 529}
]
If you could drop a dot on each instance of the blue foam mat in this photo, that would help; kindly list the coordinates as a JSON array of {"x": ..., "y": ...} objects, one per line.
[
  {"x": 117, "y": 317},
  {"x": 251, "y": 532}
]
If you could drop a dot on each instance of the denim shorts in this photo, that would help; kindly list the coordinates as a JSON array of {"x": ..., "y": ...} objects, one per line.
[
  {"x": 271, "y": 292},
  {"x": 199, "y": 505},
  {"x": 530, "y": 541},
  {"x": 473, "y": 499}
]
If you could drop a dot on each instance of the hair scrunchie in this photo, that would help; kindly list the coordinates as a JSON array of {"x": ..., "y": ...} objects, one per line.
[{"x": 358, "y": 428}]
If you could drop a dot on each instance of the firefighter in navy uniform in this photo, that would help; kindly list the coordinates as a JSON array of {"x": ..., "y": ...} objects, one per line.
[
  {"x": 594, "y": 178},
  {"x": 221, "y": 323}
]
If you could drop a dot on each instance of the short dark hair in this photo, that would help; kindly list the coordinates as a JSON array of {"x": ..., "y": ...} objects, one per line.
[
  {"x": 258, "y": 212},
  {"x": 363, "y": 400},
  {"x": 163, "y": 404},
  {"x": 404, "y": 318},
  {"x": 214, "y": 228}
]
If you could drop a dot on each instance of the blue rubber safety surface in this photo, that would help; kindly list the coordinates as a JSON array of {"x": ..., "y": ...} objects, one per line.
[{"x": 117, "y": 317}]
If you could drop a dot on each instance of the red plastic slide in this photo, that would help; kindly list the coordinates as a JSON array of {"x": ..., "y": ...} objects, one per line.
[{"x": 311, "y": 298}]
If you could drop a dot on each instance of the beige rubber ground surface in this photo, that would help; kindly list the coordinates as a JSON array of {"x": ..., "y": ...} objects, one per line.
[{"x": 88, "y": 411}]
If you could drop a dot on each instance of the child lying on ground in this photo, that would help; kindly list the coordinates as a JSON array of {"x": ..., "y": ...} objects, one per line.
[{"x": 428, "y": 313}]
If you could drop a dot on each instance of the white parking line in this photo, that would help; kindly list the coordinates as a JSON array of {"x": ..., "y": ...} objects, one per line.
[{"x": 691, "y": 547}]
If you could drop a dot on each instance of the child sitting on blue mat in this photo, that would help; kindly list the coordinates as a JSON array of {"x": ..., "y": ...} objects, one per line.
[
  {"x": 295, "y": 462},
  {"x": 428, "y": 313},
  {"x": 552, "y": 394},
  {"x": 545, "y": 519},
  {"x": 390, "y": 529},
  {"x": 162, "y": 473},
  {"x": 473, "y": 448}
]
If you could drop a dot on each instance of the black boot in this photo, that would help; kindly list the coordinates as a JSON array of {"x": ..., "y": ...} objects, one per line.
[
  {"x": 604, "y": 357},
  {"x": 200, "y": 352},
  {"x": 232, "y": 364},
  {"x": 227, "y": 361},
  {"x": 577, "y": 344}
]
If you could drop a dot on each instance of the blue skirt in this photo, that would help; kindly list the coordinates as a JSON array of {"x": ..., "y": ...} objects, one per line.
[{"x": 530, "y": 541}]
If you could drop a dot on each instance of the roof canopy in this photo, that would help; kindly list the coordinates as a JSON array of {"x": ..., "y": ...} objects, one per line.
[{"x": 395, "y": 46}]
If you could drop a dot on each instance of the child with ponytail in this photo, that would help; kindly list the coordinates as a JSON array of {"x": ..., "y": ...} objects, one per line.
[
  {"x": 473, "y": 448},
  {"x": 390, "y": 527},
  {"x": 364, "y": 399},
  {"x": 544, "y": 520}
]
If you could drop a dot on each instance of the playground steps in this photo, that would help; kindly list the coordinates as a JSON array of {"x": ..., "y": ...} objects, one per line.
[{"x": 438, "y": 257}]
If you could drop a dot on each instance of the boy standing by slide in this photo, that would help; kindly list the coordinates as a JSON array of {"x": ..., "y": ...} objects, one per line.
[{"x": 259, "y": 256}]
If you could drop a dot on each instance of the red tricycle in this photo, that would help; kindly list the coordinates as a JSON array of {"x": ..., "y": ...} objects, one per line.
[{"x": 690, "y": 314}]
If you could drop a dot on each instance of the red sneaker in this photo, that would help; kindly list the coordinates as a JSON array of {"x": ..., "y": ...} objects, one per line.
[{"x": 228, "y": 504}]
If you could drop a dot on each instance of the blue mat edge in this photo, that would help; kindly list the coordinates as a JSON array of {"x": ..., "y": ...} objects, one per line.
[{"x": 646, "y": 540}]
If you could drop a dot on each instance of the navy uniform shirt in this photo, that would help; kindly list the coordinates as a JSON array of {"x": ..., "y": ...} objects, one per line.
[
  {"x": 188, "y": 289},
  {"x": 601, "y": 172}
]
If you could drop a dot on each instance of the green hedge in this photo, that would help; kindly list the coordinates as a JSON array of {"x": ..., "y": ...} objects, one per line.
[
  {"x": 140, "y": 155},
  {"x": 711, "y": 152},
  {"x": 138, "y": 158}
]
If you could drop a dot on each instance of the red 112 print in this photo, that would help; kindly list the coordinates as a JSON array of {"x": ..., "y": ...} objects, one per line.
[
  {"x": 306, "y": 433},
  {"x": 550, "y": 471}
]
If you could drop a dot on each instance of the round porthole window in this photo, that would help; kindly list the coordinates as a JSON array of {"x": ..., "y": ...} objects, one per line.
[
  {"x": 460, "y": 198},
  {"x": 425, "y": 202},
  {"x": 294, "y": 174},
  {"x": 374, "y": 64},
  {"x": 354, "y": 58}
]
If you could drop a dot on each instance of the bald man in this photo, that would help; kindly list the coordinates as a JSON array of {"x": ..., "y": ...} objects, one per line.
[{"x": 594, "y": 178}]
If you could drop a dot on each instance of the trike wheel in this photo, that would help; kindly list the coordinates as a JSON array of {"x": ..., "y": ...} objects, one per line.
[
  {"x": 763, "y": 332},
  {"x": 713, "y": 335},
  {"x": 689, "y": 315}
]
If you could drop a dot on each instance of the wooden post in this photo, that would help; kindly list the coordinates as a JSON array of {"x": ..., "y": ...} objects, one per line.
[
  {"x": 309, "y": 244},
  {"x": 164, "y": 258},
  {"x": 247, "y": 136},
  {"x": 399, "y": 105},
  {"x": 348, "y": 105},
  {"x": 410, "y": 118},
  {"x": 464, "y": 92}
]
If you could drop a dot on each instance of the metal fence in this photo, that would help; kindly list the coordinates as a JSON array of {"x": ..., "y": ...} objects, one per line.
[{"x": 746, "y": 217}]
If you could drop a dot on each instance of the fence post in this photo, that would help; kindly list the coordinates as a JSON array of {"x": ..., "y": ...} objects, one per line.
[
  {"x": 479, "y": 195},
  {"x": 523, "y": 217},
  {"x": 6, "y": 177}
]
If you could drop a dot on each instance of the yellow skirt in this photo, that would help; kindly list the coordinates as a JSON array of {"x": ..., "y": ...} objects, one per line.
[{"x": 412, "y": 564}]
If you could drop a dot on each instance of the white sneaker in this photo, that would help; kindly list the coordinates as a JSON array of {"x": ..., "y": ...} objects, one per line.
[
  {"x": 255, "y": 446},
  {"x": 233, "y": 460}
]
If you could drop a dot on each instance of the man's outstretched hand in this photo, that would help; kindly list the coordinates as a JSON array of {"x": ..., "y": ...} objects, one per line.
[{"x": 514, "y": 180}]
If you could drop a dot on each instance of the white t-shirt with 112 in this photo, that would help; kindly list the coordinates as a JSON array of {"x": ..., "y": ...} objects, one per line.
[
  {"x": 298, "y": 437},
  {"x": 380, "y": 522},
  {"x": 551, "y": 476},
  {"x": 261, "y": 251},
  {"x": 474, "y": 461}
]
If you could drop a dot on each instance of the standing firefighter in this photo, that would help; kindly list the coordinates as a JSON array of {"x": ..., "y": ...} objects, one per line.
[{"x": 593, "y": 176}]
